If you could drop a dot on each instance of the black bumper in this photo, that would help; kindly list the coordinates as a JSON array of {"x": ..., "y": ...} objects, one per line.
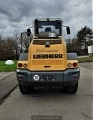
[{"x": 68, "y": 77}]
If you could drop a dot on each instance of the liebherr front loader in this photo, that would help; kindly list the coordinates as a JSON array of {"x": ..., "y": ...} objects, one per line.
[{"x": 46, "y": 62}]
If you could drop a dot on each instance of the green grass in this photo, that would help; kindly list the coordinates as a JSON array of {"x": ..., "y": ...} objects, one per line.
[
  {"x": 8, "y": 68},
  {"x": 85, "y": 59}
]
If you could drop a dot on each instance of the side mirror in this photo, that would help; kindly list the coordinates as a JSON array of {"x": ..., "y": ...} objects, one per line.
[
  {"x": 28, "y": 32},
  {"x": 68, "y": 30}
]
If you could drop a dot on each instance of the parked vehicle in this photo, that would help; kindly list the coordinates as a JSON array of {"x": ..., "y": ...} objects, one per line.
[{"x": 47, "y": 62}]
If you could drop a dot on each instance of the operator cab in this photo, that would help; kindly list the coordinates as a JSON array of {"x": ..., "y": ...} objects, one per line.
[{"x": 48, "y": 28}]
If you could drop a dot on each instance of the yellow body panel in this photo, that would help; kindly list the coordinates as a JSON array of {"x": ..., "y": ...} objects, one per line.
[
  {"x": 47, "y": 64},
  {"x": 52, "y": 63}
]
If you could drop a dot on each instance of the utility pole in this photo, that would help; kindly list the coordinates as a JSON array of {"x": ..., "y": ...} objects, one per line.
[{"x": 21, "y": 43}]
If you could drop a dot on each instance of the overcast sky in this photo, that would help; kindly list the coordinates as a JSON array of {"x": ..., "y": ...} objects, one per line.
[{"x": 19, "y": 14}]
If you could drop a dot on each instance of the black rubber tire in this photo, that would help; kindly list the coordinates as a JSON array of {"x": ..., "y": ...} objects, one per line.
[
  {"x": 26, "y": 89},
  {"x": 71, "y": 89}
]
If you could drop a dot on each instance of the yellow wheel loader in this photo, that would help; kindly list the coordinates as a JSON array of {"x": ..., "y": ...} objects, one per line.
[{"x": 46, "y": 63}]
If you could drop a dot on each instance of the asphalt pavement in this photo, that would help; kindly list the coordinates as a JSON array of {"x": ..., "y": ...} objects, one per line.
[
  {"x": 88, "y": 65},
  {"x": 7, "y": 83}
]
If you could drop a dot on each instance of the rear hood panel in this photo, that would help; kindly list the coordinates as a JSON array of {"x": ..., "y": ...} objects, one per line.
[{"x": 46, "y": 58}]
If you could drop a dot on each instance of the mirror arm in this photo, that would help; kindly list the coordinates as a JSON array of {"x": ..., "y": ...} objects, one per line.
[{"x": 65, "y": 26}]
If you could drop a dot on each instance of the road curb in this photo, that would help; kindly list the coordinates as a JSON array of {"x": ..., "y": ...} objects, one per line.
[
  {"x": 7, "y": 85},
  {"x": 7, "y": 94},
  {"x": 6, "y": 77}
]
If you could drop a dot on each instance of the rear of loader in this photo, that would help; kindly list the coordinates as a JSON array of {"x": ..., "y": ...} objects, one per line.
[{"x": 47, "y": 62}]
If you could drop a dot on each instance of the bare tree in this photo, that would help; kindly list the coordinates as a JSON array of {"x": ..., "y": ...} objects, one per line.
[
  {"x": 7, "y": 49},
  {"x": 16, "y": 39}
]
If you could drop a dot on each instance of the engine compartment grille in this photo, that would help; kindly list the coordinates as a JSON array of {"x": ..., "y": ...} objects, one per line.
[{"x": 43, "y": 42}]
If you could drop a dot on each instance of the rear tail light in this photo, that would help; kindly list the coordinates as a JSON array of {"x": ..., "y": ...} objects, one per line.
[
  {"x": 75, "y": 64},
  {"x": 19, "y": 64}
]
